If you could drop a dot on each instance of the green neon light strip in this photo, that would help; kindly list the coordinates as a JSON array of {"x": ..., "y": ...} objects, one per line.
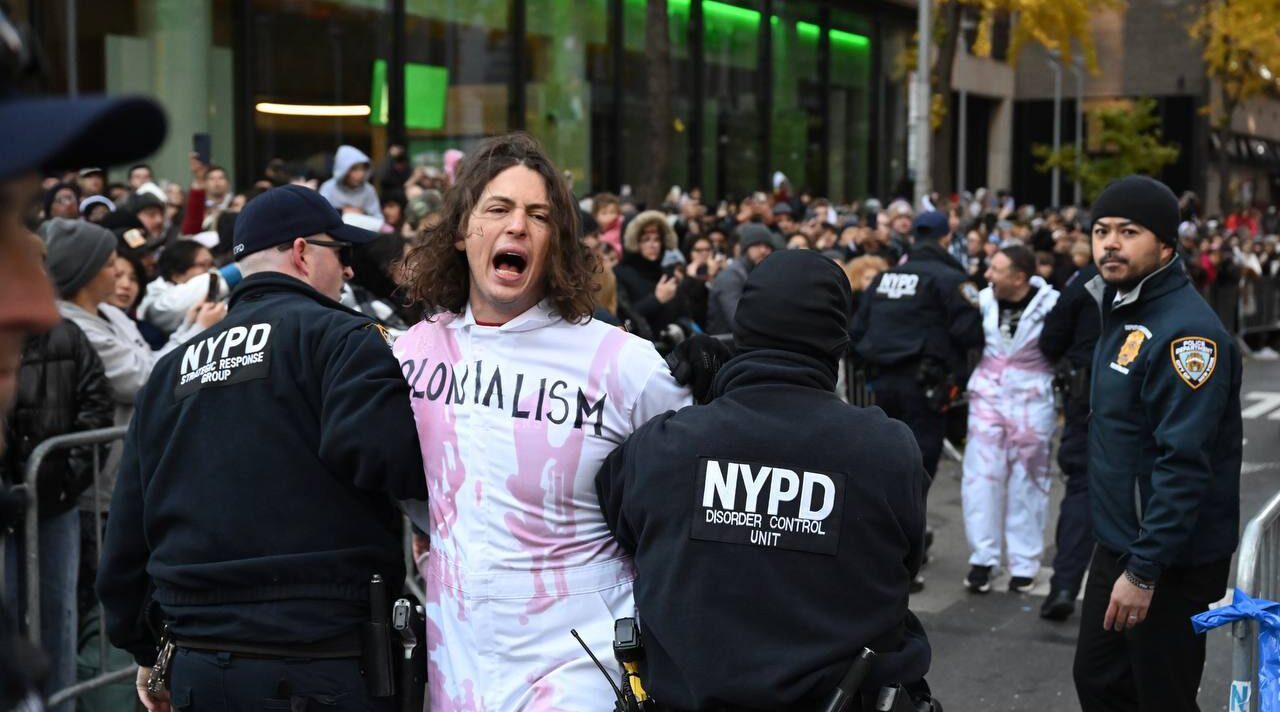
[
  {"x": 810, "y": 31},
  {"x": 710, "y": 9},
  {"x": 805, "y": 30}
]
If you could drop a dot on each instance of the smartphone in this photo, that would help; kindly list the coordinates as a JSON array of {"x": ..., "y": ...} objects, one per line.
[
  {"x": 215, "y": 286},
  {"x": 200, "y": 145}
]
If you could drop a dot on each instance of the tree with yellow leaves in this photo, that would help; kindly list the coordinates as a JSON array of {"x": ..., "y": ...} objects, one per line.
[
  {"x": 1058, "y": 25},
  {"x": 1241, "y": 40},
  {"x": 1131, "y": 141}
]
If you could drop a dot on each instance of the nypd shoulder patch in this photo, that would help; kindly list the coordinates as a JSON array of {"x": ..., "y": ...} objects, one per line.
[
  {"x": 969, "y": 292},
  {"x": 1194, "y": 359}
]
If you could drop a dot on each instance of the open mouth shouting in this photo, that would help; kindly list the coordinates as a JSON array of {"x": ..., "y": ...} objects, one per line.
[{"x": 509, "y": 264}]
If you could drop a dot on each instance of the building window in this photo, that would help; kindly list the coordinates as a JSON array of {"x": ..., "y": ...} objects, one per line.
[
  {"x": 462, "y": 50},
  {"x": 312, "y": 78}
]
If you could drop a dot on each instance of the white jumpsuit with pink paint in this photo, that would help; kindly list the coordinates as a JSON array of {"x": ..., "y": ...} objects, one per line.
[
  {"x": 1005, "y": 489},
  {"x": 515, "y": 421}
]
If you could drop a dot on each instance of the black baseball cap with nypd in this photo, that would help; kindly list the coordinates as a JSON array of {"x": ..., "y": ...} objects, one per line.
[{"x": 286, "y": 213}]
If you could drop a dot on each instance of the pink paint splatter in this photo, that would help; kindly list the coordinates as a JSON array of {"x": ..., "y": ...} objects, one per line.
[
  {"x": 545, "y": 481},
  {"x": 543, "y": 690},
  {"x": 438, "y": 432}
]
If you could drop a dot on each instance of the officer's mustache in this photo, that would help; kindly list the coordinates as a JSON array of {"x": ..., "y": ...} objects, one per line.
[{"x": 1113, "y": 257}]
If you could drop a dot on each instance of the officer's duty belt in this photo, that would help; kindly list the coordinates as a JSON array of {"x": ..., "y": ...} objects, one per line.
[{"x": 343, "y": 646}]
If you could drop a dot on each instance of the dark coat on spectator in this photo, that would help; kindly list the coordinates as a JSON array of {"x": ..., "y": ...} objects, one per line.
[{"x": 61, "y": 389}]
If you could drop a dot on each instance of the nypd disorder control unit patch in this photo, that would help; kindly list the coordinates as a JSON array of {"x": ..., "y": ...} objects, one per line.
[{"x": 768, "y": 505}]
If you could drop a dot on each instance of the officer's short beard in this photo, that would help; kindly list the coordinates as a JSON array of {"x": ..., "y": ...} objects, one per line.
[{"x": 1129, "y": 283}]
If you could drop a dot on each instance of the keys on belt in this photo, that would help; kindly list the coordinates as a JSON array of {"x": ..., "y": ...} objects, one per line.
[{"x": 158, "y": 680}]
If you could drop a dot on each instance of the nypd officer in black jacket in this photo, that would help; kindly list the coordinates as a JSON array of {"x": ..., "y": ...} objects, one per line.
[
  {"x": 914, "y": 328},
  {"x": 1165, "y": 443},
  {"x": 255, "y": 497},
  {"x": 776, "y": 530},
  {"x": 1068, "y": 337}
]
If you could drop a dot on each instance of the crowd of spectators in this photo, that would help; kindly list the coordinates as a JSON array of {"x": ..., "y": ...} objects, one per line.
[{"x": 142, "y": 265}]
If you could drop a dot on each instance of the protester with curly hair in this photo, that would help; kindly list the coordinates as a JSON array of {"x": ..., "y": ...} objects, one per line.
[{"x": 519, "y": 395}]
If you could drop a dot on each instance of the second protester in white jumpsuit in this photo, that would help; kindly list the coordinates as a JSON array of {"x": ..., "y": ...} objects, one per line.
[{"x": 1005, "y": 488}]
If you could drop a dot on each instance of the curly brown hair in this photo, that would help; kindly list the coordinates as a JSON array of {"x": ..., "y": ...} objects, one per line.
[{"x": 435, "y": 272}]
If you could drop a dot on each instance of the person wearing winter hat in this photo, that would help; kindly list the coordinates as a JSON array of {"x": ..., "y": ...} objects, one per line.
[
  {"x": 647, "y": 291},
  {"x": 1164, "y": 460},
  {"x": 95, "y": 207},
  {"x": 785, "y": 593},
  {"x": 77, "y": 252},
  {"x": 150, "y": 211},
  {"x": 62, "y": 201},
  {"x": 755, "y": 243},
  {"x": 81, "y": 262}
]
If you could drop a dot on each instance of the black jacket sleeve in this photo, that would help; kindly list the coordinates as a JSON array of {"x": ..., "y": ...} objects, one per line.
[
  {"x": 611, "y": 485},
  {"x": 964, "y": 320},
  {"x": 367, "y": 431},
  {"x": 122, "y": 575},
  {"x": 1186, "y": 424},
  {"x": 1059, "y": 328},
  {"x": 641, "y": 298},
  {"x": 862, "y": 318}
]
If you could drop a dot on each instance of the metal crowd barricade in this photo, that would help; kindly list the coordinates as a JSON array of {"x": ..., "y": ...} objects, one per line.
[
  {"x": 31, "y": 547},
  {"x": 1260, "y": 306},
  {"x": 1257, "y": 575},
  {"x": 857, "y": 390}
]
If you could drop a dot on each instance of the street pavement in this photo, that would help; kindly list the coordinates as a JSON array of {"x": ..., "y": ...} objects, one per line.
[{"x": 993, "y": 653}]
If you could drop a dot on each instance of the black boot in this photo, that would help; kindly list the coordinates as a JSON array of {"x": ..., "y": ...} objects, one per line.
[{"x": 1058, "y": 606}]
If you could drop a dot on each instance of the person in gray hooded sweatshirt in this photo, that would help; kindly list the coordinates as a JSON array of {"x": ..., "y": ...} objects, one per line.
[{"x": 349, "y": 187}]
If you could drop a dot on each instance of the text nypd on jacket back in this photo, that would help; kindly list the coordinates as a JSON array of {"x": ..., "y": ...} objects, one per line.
[
  {"x": 768, "y": 505},
  {"x": 235, "y": 355}
]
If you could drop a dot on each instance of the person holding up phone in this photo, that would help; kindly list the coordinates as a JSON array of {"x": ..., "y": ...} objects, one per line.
[
  {"x": 210, "y": 193},
  {"x": 650, "y": 296},
  {"x": 186, "y": 280}
]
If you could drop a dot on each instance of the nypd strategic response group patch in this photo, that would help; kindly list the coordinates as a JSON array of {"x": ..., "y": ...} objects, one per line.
[{"x": 1194, "y": 358}]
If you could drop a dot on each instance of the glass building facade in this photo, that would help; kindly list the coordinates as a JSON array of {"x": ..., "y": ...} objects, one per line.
[{"x": 756, "y": 86}]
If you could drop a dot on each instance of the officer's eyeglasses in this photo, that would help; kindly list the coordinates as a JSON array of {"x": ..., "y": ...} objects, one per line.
[{"x": 343, "y": 248}]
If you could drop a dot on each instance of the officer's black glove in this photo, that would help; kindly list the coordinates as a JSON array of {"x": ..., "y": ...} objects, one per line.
[{"x": 695, "y": 361}]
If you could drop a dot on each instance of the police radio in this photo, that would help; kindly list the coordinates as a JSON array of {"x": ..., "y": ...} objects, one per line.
[
  {"x": 629, "y": 651},
  {"x": 623, "y": 703}
]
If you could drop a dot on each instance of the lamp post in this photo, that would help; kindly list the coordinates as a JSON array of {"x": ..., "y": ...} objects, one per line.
[
  {"x": 922, "y": 131},
  {"x": 962, "y": 148},
  {"x": 1078, "y": 70},
  {"x": 1054, "y": 190}
]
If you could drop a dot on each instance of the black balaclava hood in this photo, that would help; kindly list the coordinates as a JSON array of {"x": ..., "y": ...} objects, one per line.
[{"x": 798, "y": 301}]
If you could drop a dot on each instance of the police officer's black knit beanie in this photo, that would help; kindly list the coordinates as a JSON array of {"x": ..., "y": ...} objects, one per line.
[
  {"x": 799, "y": 301},
  {"x": 1143, "y": 200}
]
